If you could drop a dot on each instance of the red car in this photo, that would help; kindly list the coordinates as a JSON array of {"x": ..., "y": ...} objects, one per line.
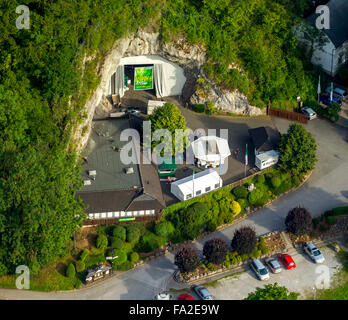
[
  {"x": 287, "y": 261},
  {"x": 185, "y": 296}
]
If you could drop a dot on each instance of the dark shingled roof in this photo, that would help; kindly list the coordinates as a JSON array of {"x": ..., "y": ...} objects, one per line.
[
  {"x": 114, "y": 190},
  {"x": 264, "y": 138},
  {"x": 338, "y": 32}
]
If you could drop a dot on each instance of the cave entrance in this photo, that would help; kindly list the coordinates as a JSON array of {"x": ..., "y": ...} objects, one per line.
[{"x": 139, "y": 79}]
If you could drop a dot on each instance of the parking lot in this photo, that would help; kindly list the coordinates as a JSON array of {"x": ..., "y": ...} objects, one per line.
[{"x": 302, "y": 279}]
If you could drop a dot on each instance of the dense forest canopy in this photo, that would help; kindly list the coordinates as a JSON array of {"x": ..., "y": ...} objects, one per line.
[{"x": 44, "y": 83}]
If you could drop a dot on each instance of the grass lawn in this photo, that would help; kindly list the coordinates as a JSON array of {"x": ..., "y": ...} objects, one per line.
[
  {"x": 340, "y": 289},
  {"x": 51, "y": 278}
]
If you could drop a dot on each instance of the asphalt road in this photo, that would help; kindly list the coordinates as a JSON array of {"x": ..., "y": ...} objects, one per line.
[{"x": 327, "y": 188}]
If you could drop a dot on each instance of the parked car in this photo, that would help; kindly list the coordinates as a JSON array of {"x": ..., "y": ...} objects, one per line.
[
  {"x": 273, "y": 265},
  {"x": 313, "y": 252},
  {"x": 287, "y": 261},
  {"x": 260, "y": 270},
  {"x": 185, "y": 296},
  {"x": 309, "y": 112},
  {"x": 203, "y": 293},
  {"x": 341, "y": 93},
  {"x": 325, "y": 99}
]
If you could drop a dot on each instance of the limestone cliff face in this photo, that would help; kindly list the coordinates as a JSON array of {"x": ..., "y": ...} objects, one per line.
[{"x": 189, "y": 57}]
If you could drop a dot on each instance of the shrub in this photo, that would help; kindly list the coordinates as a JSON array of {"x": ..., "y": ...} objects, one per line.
[
  {"x": 84, "y": 254},
  {"x": 243, "y": 203},
  {"x": 261, "y": 178},
  {"x": 299, "y": 221},
  {"x": 134, "y": 257},
  {"x": 331, "y": 220},
  {"x": 164, "y": 229},
  {"x": 285, "y": 186},
  {"x": 315, "y": 222},
  {"x": 80, "y": 266},
  {"x": 339, "y": 211},
  {"x": 215, "y": 250},
  {"x": 240, "y": 192},
  {"x": 149, "y": 242},
  {"x": 295, "y": 181},
  {"x": 200, "y": 108},
  {"x": 122, "y": 258},
  {"x": 116, "y": 243},
  {"x": 276, "y": 182},
  {"x": 133, "y": 234},
  {"x": 94, "y": 259},
  {"x": 186, "y": 259},
  {"x": 70, "y": 271},
  {"x": 322, "y": 228},
  {"x": 119, "y": 232},
  {"x": 102, "y": 242},
  {"x": 255, "y": 196},
  {"x": 235, "y": 207},
  {"x": 125, "y": 266},
  {"x": 3, "y": 269},
  {"x": 244, "y": 240},
  {"x": 212, "y": 226},
  {"x": 262, "y": 245}
]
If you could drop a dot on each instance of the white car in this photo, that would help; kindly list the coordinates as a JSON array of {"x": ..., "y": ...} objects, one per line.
[
  {"x": 260, "y": 270},
  {"x": 313, "y": 252},
  {"x": 163, "y": 296},
  {"x": 309, "y": 112}
]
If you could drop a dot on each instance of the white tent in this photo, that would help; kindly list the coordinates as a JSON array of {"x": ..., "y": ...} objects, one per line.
[
  {"x": 189, "y": 187},
  {"x": 210, "y": 150},
  {"x": 168, "y": 77},
  {"x": 266, "y": 159}
]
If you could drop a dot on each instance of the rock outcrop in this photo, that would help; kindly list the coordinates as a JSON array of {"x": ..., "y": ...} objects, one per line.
[{"x": 189, "y": 57}]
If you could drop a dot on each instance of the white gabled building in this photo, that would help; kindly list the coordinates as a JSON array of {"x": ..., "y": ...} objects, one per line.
[{"x": 190, "y": 187}]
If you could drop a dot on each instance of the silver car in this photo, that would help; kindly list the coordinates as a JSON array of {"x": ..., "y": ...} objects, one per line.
[
  {"x": 309, "y": 112},
  {"x": 260, "y": 270},
  {"x": 313, "y": 252},
  {"x": 273, "y": 265},
  {"x": 203, "y": 293}
]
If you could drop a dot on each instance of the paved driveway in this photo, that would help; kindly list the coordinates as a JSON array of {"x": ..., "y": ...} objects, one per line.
[{"x": 327, "y": 188}]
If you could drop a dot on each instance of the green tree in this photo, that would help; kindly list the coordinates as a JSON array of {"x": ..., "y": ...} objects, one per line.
[
  {"x": 297, "y": 150},
  {"x": 102, "y": 242},
  {"x": 272, "y": 292},
  {"x": 170, "y": 118}
]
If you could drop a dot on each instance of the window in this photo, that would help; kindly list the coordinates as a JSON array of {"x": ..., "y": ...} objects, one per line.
[
  {"x": 135, "y": 213},
  {"x": 91, "y": 216},
  {"x": 207, "y": 189},
  {"x": 103, "y": 215},
  {"x": 152, "y": 212},
  {"x": 110, "y": 214},
  {"x": 141, "y": 212},
  {"x": 217, "y": 185},
  {"x": 129, "y": 213},
  {"x": 148, "y": 212},
  {"x": 123, "y": 214},
  {"x": 198, "y": 192},
  {"x": 97, "y": 215},
  {"x": 116, "y": 214},
  {"x": 188, "y": 196}
]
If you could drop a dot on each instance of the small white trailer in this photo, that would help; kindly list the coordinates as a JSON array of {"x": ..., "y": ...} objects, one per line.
[
  {"x": 191, "y": 187},
  {"x": 266, "y": 159}
]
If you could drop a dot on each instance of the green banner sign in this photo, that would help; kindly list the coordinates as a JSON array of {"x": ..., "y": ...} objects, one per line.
[
  {"x": 143, "y": 78},
  {"x": 126, "y": 219}
]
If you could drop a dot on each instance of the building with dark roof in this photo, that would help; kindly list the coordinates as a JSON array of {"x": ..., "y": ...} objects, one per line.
[
  {"x": 115, "y": 191},
  {"x": 264, "y": 139},
  {"x": 335, "y": 52}
]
